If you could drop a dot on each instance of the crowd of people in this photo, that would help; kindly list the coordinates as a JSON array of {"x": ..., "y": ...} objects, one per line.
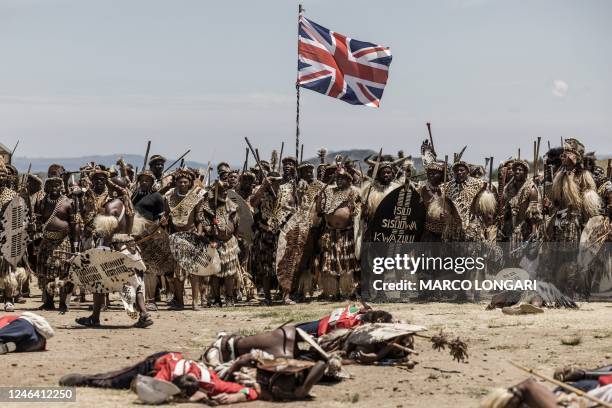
[
  {"x": 283, "y": 231},
  {"x": 291, "y": 228}
]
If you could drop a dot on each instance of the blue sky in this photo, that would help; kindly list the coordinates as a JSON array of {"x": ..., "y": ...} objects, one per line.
[{"x": 82, "y": 76}]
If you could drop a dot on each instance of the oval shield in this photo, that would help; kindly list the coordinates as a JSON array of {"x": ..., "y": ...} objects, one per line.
[
  {"x": 14, "y": 237},
  {"x": 194, "y": 254},
  {"x": 103, "y": 270}
]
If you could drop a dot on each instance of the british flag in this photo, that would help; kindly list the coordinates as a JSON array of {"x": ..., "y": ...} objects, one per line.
[{"x": 341, "y": 67}]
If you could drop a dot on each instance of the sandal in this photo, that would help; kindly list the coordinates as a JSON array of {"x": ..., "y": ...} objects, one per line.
[
  {"x": 88, "y": 321},
  {"x": 9, "y": 307},
  {"x": 143, "y": 321}
]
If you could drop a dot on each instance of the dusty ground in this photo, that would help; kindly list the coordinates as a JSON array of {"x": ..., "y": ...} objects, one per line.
[{"x": 436, "y": 381}]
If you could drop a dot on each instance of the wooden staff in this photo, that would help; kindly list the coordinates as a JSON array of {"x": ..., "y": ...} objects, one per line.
[
  {"x": 245, "y": 166},
  {"x": 302, "y": 153},
  {"x": 519, "y": 153},
  {"x": 500, "y": 196},
  {"x": 491, "y": 173},
  {"x": 280, "y": 158},
  {"x": 535, "y": 159},
  {"x": 433, "y": 149},
  {"x": 176, "y": 161},
  {"x": 13, "y": 152},
  {"x": 146, "y": 157},
  {"x": 460, "y": 155},
  {"x": 563, "y": 385},
  {"x": 261, "y": 169},
  {"x": 536, "y": 166}
]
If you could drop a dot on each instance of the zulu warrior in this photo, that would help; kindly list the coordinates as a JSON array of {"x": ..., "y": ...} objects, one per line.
[{"x": 57, "y": 220}]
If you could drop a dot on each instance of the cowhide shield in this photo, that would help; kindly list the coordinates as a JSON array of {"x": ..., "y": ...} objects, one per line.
[
  {"x": 399, "y": 218},
  {"x": 513, "y": 274},
  {"x": 194, "y": 254},
  {"x": 245, "y": 228},
  {"x": 156, "y": 253},
  {"x": 14, "y": 237},
  {"x": 381, "y": 332},
  {"x": 284, "y": 365},
  {"x": 103, "y": 270},
  {"x": 290, "y": 249}
]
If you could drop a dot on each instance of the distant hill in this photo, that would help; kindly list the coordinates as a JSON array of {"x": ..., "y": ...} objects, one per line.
[{"x": 41, "y": 164}]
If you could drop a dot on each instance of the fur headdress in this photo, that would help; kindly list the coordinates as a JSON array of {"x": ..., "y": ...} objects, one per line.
[
  {"x": 183, "y": 172},
  {"x": 289, "y": 159},
  {"x": 436, "y": 166},
  {"x": 145, "y": 173},
  {"x": 574, "y": 146},
  {"x": 460, "y": 163},
  {"x": 520, "y": 162}
]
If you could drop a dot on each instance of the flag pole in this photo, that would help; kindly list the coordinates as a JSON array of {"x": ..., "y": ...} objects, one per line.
[{"x": 297, "y": 92}]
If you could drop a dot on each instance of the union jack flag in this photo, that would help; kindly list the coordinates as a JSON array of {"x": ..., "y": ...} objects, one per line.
[{"x": 335, "y": 65}]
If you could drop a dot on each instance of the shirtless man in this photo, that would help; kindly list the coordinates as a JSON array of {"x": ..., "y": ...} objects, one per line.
[{"x": 339, "y": 206}]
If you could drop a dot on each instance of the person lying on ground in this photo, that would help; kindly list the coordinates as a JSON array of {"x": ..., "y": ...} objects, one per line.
[
  {"x": 25, "y": 332},
  {"x": 194, "y": 379},
  {"x": 530, "y": 393},
  {"x": 277, "y": 379},
  {"x": 345, "y": 318}
]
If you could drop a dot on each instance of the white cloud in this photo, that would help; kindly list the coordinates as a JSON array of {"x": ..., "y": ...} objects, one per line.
[{"x": 559, "y": 88}]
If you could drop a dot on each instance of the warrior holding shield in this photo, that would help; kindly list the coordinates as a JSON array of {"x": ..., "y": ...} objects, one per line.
[
  {"x": 217, "y": 219},
  {"x": 179, "y": 216},
  {"x": 57, "y": 221},
  {"x": 7, "y": 280}
]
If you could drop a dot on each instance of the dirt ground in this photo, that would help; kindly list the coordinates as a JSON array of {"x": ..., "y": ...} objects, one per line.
[{"x": 436, "y": 381}]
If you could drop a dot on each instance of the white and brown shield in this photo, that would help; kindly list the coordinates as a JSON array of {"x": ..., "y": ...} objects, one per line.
[
  {"x": 103, "y": 270},
  {"x": 290, "y": 249},
  {"x": 194, "y": 254},
  {"x": 14, "y": 231}
]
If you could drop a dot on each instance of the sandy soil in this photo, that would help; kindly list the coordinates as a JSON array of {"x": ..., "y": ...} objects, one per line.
[{"x": 437, "y": 381}]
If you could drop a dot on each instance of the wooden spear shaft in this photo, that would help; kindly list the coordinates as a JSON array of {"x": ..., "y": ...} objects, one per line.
[{"x": 563, "y": 385}]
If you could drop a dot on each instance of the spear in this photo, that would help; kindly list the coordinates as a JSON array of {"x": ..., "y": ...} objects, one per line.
[
  {"x": 302, "y": 153},
  {"x": 460, "y": 155},
  {"x": 13, "y": 152},
  {"x": 255, "y": 153},
  {"x": 519, "y": 153},
  {"x": 176, "y": 161},
  {"x": 146, "y": 157},
  {"x": 563, "y": 385}
]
